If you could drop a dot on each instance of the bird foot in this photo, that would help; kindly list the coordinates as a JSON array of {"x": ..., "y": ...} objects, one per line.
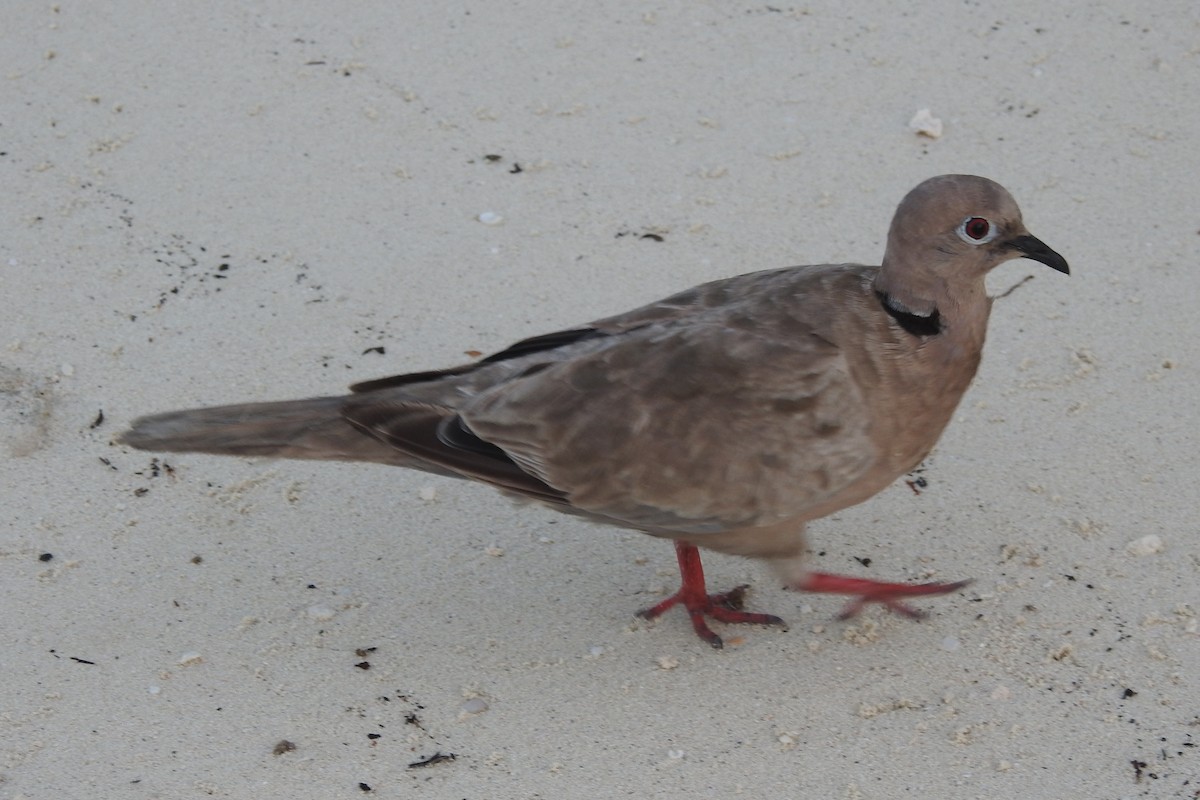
[
  {"x": 869, "y": 591},
  {"x": 723, "y": 607}
]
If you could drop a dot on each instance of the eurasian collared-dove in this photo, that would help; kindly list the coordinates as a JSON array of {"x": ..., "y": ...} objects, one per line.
[{"x": 726, "y": 416}]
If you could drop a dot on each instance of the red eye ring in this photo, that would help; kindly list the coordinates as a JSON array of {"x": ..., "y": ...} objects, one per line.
[{"x": 977, "y": 228}]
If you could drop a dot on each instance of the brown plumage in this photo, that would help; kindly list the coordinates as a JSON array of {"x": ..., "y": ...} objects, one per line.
[{"x": 726, "y": 416}]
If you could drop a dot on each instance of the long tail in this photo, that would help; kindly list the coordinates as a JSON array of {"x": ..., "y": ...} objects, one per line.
[{"x": 309, "y": 429}]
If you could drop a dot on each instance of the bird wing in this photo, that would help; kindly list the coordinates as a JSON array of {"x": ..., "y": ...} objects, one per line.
[{"x": 713, "y": 410}]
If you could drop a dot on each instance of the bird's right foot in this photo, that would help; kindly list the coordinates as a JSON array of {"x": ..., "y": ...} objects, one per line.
[{"x": 869, "y": 591}]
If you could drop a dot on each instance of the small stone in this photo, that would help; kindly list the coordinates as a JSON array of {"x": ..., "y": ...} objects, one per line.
[
  {"x": 1146, "y": 546},
  {"x": 924, "y": 123},
  {"x": 490, "y": 218},
  {"x": 475, "y": 705},
  {"x": 190, "y": 658},
  {"x": 667, "y": 662},
  {"x": 1063, "y": 653}
]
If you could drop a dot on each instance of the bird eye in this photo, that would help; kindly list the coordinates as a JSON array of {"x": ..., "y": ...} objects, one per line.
[{"x": 976, "y": 230}]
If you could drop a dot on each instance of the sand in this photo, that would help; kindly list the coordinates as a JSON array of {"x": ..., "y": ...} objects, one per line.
[{"x": 209, "y": 203}]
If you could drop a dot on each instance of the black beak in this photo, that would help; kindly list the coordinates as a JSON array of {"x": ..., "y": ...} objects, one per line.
[{"x": 1034, "y": 248}]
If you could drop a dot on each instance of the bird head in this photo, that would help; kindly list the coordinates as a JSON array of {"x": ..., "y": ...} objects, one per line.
[{"x": 947, "y": 234}]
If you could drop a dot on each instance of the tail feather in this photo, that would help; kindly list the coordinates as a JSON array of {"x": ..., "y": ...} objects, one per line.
[{"x": 308, "y": 429}]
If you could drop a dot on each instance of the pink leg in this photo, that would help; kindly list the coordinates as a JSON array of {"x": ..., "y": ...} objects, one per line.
[
  {"x": 868, "y": 591},
  {"x": 725, "y": 607}
]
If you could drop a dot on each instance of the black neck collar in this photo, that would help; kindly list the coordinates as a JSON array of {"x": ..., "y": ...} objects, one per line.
[{"x": 916, "y": 324}]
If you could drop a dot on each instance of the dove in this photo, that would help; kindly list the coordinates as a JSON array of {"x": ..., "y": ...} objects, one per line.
[{"x": 724, "y": 417}]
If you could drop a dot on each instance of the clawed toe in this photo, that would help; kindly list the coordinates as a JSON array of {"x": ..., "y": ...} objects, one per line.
[
  {"x": 725, "y": 607},
  {"x": 869, "y": 591}
]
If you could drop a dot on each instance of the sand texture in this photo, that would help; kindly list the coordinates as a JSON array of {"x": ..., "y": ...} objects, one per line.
[{"x": 225, "y": 202}]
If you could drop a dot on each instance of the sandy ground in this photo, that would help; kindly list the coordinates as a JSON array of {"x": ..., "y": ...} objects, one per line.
[{"x": 209, "y": 203}]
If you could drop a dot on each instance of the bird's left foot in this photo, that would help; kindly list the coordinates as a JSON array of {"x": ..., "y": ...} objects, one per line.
[
  {"x": 724, "y": 607},
  {"x": 869, "y": 591}
]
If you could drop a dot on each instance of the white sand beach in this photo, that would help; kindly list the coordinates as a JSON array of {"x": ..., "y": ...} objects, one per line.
[{"x": 230, "y": 202}]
